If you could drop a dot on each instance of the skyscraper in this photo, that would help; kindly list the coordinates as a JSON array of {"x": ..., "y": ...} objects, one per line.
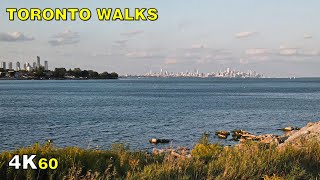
[
  {"x": 34, "y": 65},
  {"x": 10, "y": 66},
  {"x": 18, "y": 68},
  {"x": 38, "y": 62},
  {"x": 3, "y": 65},
  {"x": 46, "y": 66},
  {"x": 28, "y": 67}
]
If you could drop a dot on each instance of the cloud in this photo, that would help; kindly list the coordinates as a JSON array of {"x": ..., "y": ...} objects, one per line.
[
  {"x": 307, "y": 36},
  {"x": 223, "y": 57},
  {"x": 132, "y": 33},
  {"x": 309, "y": 53},
  {"x": 198, "y": 46},
  {"x": 201, "y": 54},
  {"x": 170, "y": 60},
  {"x": 244, "y": 61},
  {"x": 203, "y": 61},
  {"x": 257, "y": 51},
  {"x": 206, "y": 59},
  {"x": 284, "y": 51},
  {"x": 65, "y": 38},
  {"x": 244, "y": 34},
  {"x": 215, "y": 58},
  {"x": 139, "y": 54},
  {"x": 288, "y": 51},
  {"x": 120, "y": 43},
  {"x": 102, "y": 54},
  {"x": 14, "y": 37}
]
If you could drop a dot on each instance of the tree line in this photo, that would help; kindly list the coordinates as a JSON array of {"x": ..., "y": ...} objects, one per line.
[
  {"x": 61, "y": 73},
  {"x": 57, "y": 73}
]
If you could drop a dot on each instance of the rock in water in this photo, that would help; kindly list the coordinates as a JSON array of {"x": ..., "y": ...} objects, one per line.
[
  {"x": 226, "y": 133},
  {"x": 163, "y": 141},
  {"x": 153, "y": 141},
  {"x": 221, "y": 136},
  {"x": 288, "y": 128},
  {"x": 156, "y": 141}
]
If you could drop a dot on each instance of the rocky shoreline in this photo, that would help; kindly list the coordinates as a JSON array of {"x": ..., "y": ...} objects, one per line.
[
  {"x": 295, "y": 137},
  {"x": 293, "y": 155}
]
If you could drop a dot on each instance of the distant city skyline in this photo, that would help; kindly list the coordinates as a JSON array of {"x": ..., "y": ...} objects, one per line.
[
  {"x": 26, "y": 66},
  {"x": 227, "y": 73},
  {"x": 275, "y": 38}
]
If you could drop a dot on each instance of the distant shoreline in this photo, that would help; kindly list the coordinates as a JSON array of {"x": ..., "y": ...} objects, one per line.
[
  {"x": 140, "y": 77},
  {"x": 8, "y": 79},
  {"x": 146, "y": 77}
]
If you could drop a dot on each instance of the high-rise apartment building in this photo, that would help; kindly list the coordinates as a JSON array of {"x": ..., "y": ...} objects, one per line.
[
  {"x": 10, "y": 66},
  {"x": 46, "y": 66},
  {"x": 18, "y": 68},
  {"x": 34, "y": 65},
  {"x": 3, "y": 65},
  {"x": 38, "y": 62},
  {"x": 28, "y": 67},
  {"x": 25, "y": 66}
]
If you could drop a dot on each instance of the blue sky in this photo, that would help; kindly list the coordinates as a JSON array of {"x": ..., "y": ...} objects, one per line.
[{"x": 277, "y": 38}]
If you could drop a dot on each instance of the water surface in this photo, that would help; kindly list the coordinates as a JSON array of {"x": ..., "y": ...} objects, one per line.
[{"x": 90, "y": 113}]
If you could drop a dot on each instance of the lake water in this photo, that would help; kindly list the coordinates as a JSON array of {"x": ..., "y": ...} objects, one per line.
[{"x": 93, "y": 113}]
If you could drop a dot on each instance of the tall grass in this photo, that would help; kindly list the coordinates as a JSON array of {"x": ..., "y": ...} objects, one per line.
[{"x": 209, "y": 161}]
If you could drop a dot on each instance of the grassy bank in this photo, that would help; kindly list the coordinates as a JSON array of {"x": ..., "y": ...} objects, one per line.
[{"x": 209, "y": 161}]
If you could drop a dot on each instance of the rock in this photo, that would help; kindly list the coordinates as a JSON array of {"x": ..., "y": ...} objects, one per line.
[
  {"x": 283, "y": 138},
  {"x": 176, "y": 153},
  {"x": 311, "y": 132},
  {"x": 157, "y": 151},
  {"x": 153, "y": 141},
  {"x": 249, "y": 136},
  {"x": 234, "y": 139},
  {"x": 288, "y": 128},
  {"x": 163, "y": 141},
  {"x": 221, "y": 136},
  {"x": 226, "y": 133},
  {"x": 242, "y": 140},
  {"x": 239, "y": 133},
  {"x": 156, "y": 141},
  {"x": 236, "y": 135},
  {"x": 268, "y": 139},
  {"x": 310, "y": 124}
]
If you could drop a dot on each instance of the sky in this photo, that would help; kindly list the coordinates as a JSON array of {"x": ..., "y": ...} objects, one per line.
[{"x": 276, "y": 38}]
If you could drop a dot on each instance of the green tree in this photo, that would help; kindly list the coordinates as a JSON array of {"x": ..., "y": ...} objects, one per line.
[
  {"x": 93, "y": 74},
  {"x": 59, "y": 73},
  {"x": 39, "y": 73},
  {"x": 70, "y": 72},
  {"x": 84, "y": 74},
  {"x": 77, "y": 72},
  {"x": 104, "y": 75},
  {"x": 114, "y": 75}
]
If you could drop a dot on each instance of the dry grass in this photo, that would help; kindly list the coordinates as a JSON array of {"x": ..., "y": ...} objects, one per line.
[{"x": 209, "y": 161}]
